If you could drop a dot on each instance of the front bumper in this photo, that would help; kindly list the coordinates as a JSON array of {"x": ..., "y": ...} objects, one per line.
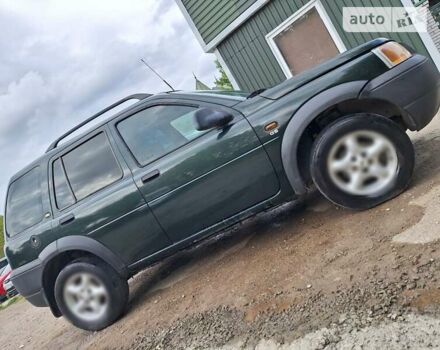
[
  {"x": 413, "y": 86},
  {"x": 28, "y": 280}
]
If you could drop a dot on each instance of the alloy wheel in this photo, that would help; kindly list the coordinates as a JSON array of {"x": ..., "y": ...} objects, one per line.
[
  {"x": 86, "y": 296},
  {"x": 363, "y": 163}
]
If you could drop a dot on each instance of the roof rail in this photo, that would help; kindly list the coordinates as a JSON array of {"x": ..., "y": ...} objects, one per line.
[{"x": 93, "y": 117}]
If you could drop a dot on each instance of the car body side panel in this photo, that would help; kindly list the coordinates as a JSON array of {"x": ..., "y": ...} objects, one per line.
[
  {"x": 285, "y": 110},
  {"x": 197, "y": 158},
  {"x": 413, "y": 86},
  {"x": 217, "y": 195},
  {"x": 19, "y": 248},
  {"x": 363, "y": 68},
  {"x": 208, "y": 180},
  {"x": 28, "y": 279},
  {"x": 116, "y": 216},
  {"x": 297, "y": 126}
]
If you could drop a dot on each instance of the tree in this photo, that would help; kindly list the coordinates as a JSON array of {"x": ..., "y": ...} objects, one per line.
[{"x": 222, "y": 83}]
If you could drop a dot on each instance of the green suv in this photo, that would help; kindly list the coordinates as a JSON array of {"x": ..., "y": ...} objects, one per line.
[{"x": 177, "y": 167}]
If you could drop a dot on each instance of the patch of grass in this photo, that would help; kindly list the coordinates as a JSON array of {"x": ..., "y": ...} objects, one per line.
[
  {"x": 11, "y": 301},
  {"x": 2, "y": 237}
]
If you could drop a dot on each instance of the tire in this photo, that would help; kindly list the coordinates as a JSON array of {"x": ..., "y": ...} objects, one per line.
[
  {"x": 106, "y": 292},
  {"x": 368, "y": 177}
]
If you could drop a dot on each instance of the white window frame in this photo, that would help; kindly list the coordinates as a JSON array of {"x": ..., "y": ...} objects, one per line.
[
  {"x": 212, "y": 45},
  {"x": 270, "y": 38}
]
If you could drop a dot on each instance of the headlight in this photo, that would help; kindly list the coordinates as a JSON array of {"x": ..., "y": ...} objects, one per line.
[{"x": 392, "y": 53}]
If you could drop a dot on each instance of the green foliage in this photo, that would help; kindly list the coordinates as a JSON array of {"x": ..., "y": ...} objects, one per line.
[
  {"x": 1, "y": 237},
  {"x": 222, "y": 83},
  {"x": 11, "y": 301}
]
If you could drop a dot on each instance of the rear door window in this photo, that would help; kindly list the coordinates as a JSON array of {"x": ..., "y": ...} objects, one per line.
[
  {"x": 85, "y": 170},
  {"x": 24, "y": 207}
]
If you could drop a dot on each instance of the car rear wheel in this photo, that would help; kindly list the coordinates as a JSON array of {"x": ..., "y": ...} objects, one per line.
[
  {"x": 90, "y": 294},
  {"x": 362, "y": 160}
]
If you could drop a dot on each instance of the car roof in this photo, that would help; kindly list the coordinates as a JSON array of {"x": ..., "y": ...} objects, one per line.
[{"x": 224, "y": 98}]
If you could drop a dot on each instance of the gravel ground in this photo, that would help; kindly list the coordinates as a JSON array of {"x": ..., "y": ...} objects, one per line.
[
  {"x": 415, "y": 332},
  {"x": 311, "y": 278}
]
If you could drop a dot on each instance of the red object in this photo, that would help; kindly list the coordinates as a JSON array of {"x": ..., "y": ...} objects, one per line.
[{"x": 5, "y": 274}]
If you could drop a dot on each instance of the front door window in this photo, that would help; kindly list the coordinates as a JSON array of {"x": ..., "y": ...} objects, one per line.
[{"x": 158, "y": 130}]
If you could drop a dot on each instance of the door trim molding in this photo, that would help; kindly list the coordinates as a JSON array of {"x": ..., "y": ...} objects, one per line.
[{"x": 270, "y": 37}]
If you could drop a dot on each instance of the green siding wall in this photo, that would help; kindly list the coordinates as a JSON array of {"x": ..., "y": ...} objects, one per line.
[
  {"x": 353, "y": 39},
  {"x": 251, "y": 60},
  {"x": 211, "y": 17}
]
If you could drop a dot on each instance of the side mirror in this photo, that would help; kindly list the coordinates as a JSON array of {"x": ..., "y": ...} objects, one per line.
[{"x": 207, "y": 118}]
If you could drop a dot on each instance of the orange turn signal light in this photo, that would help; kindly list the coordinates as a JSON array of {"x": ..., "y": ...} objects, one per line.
[
  {"x": 271, "y": 126},
  {"x": 392, "y": 53}
]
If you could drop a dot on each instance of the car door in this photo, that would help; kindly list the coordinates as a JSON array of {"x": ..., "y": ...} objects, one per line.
[
  {"x": 93, "y": 194},
  {"x": 194, "y": 180}
]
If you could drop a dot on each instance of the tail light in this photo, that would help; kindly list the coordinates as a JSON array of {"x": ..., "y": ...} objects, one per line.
[{"x": 392, "y": 53}]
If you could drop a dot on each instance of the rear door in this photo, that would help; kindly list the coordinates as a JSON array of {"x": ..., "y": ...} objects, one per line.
[
  {"x": 194, "y": 180},
  {"x": 93, "y": 194}
]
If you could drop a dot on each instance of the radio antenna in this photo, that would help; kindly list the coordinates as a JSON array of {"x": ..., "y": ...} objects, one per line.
[{"x": 151, "y": 68}]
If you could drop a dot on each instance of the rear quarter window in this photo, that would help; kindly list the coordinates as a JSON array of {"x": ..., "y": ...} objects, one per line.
[{"x": 24, "y": 207}]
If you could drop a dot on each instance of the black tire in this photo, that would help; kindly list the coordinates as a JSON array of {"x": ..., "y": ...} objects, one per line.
[
  {"x": 359, "y": 122},
  {"x": 116, "y": 286}
]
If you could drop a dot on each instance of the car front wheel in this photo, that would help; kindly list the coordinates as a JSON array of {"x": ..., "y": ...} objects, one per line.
[
  {"x": 90, "y": 294},
  {"x": 362, "y": 160}
]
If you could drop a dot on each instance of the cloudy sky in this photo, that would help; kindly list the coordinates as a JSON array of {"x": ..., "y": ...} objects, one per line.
[{"x": 60, "y": 61}]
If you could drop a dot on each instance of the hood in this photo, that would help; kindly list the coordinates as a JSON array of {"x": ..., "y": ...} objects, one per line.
[{"x": 303, "y": 78}]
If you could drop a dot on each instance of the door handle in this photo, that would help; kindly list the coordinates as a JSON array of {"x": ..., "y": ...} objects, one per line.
[
  {"x": 150, "y": 176},
  {"x": 67, "y": 219}
]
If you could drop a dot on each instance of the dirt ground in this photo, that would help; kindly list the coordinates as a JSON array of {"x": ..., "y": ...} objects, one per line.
[{"x": 310, "y": 278}]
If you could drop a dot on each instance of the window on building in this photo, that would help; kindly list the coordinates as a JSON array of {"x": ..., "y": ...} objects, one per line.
[{"x": 304, "y": 42}]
